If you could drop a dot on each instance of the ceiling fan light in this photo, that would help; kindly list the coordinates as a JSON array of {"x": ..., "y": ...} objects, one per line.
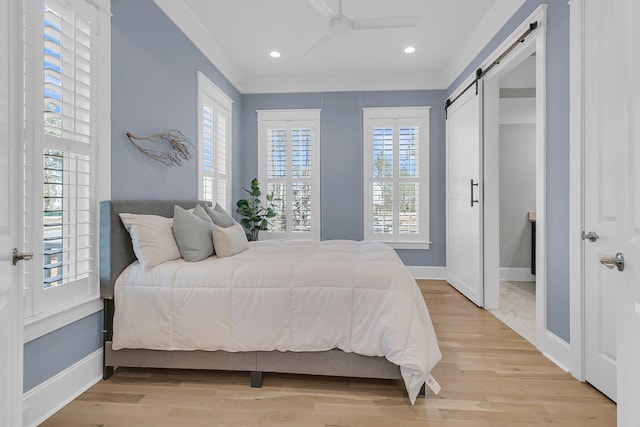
[
  {"x": 340, "y": 26},
  {"x": 274, "y": 54},
  {"x": 409, "y": 49}
]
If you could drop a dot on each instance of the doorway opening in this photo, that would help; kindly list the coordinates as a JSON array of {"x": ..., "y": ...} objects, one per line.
[
  {"x": 517, "y": 199},
  {"x": 508, "y": 121}
]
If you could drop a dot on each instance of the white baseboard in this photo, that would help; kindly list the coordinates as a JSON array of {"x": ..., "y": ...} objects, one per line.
[
  {"x": 557, "y": 350},
  {"x": 428, "y": 273},
  {"x": 49, "y": 397},
  {"x": 517, "y": 274}
]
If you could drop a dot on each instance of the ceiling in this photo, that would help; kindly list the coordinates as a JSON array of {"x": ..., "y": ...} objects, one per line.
[{"x": 238, "y": 35}]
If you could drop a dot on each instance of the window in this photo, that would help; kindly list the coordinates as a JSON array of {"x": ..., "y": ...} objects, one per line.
[
  {"x": 289, "y": 167},
  {"x": 214, "y": 143},
  {"x": 65, "y": 75},
  {"x": 396, "y": 161}
]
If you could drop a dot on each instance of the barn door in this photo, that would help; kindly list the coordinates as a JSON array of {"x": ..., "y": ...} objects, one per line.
[{"x": 464, "y": 195}]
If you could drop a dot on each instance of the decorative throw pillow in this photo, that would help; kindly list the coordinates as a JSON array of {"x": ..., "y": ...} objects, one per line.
[
  {"x": 219, "y": 216},
  {"x": 152, "y": 238},
  {"x": 229, "y": 241},
  {"x": 192, "y": 234},
  {"x": 201, "y": 213}
]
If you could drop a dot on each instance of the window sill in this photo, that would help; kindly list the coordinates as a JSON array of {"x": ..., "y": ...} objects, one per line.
[
  {"x": 408, "y": 245},
  {"x": 44, "y": 323}
]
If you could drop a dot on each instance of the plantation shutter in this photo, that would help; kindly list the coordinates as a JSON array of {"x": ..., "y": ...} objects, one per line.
[
  {"x": 68, "y": 196},
  {"x": 60, "y": 151},
  {"x": 214, "y": 143},
  {"x": 67, "y": 73},
  {"x": 394, "y": 173},
  {"x": 289, "y": 151},
  {"x": 207, "y": 151}
]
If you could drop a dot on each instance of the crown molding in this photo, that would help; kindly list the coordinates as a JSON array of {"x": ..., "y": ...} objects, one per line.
[
  {"x": 491, "y": 23},
  {"x": 191, "y": 26}
]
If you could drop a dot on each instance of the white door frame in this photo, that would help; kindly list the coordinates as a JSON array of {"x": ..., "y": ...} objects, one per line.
[
  {"x": 576, "y": 190},
  {"x": 534, "y": 43}
]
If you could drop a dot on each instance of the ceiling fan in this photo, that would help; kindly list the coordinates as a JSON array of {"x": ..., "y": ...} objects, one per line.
[{"x": 341, "y": 25}]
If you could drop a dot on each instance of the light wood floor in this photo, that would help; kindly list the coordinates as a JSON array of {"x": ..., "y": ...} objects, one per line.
[{"x": 490, "y": 376}]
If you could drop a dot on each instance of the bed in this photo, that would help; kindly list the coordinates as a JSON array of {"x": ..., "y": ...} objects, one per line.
[{"x": 337, "y": 308}]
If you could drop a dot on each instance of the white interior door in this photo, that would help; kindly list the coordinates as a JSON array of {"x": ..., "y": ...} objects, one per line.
[
  {"x": 464, "y": 196},
  {"x": 605, "y": 136},
  {"x": 612, "y": 202},
  {"x": 629, "y": 234},
  {"x": 10, "y": 297}
]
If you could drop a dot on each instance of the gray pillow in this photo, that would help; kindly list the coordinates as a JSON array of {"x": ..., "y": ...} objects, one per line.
[
  {"x": 219, "y": 216},
  {"x": 192, "y": 234},
  {"x": 202, "y": 214}
]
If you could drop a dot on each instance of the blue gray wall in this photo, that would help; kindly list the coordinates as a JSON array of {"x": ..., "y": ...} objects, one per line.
[
  {"x": 153, "y": 90},
  {"x": 51, "y": 354},
  {"x": 341, "y": 158},
  {"x": 557, "y": 151}
]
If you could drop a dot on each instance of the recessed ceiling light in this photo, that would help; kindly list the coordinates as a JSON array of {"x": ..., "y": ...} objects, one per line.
[
  {"x": 409, "y": 49},
  {"x": 275, "y": 54}
]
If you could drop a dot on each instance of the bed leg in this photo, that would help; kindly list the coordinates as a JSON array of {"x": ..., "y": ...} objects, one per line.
[
  {"x": 107, "y": 335},
  {"x": 256, "y": 379},
  {"x": 423, "y": 390},
  {"x": 107, "y": 372}
]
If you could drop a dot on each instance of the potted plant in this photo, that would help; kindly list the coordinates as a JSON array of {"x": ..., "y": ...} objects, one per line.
[{"x": 256, "y": 217}]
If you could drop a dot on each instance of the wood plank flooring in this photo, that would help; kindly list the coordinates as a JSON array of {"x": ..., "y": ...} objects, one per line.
[{"x": 490, "y": 376}]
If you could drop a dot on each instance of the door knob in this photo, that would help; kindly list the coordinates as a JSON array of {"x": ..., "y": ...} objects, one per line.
[
  {"x": 20, "y": 256},
  {"x": 616, "y": 261},
  {"x": 592, "y": 235}
]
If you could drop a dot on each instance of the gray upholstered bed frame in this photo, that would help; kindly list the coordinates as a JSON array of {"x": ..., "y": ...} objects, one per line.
[{"x": 116, "y": 253}]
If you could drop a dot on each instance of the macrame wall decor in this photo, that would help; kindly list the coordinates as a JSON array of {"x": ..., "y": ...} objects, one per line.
[{"x": 173, "y": 147}]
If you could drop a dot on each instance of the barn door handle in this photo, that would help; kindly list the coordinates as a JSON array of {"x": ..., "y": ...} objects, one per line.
[
  {"x": 616, "y": 261},
  {"x": 471, "y": 188}
]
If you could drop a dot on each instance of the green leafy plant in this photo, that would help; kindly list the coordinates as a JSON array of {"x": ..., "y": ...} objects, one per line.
[{"x": 256, "y": 217}]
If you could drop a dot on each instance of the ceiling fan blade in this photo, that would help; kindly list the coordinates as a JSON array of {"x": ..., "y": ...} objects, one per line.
[
  {"x": 320, "y": 45},
  {"x": 387, "y": 22},
  {"x": 323, "y": 8}
]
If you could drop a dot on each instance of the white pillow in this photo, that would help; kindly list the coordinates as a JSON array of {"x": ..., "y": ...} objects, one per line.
[
  {"x": 229, "y": 241},
  {"x": 152, "y": 238}
]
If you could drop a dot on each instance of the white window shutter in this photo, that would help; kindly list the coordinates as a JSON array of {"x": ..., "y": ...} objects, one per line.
[
  {"x": 214, "y": 143},
  {"x": 60, "y": 151},
  {"x": 289, "y": 147},
  {"x": 396, "y": 176}
]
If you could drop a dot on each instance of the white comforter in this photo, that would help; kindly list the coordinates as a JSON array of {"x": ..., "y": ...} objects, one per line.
[{"x": 282, "y": 295}]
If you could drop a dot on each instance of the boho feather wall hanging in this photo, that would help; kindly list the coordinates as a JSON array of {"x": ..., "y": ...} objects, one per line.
[{"x": 177, "y": 147}]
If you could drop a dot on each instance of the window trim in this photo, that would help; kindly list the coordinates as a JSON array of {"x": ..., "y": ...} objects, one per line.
[
  {"x": 291, "y": 116},
  {"x": 206, "y": 87},
  {"x": 375, "y": 114},
  {"x": 77, "y": 307}
]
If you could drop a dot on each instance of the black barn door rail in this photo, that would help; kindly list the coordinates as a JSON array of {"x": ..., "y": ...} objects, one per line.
[{"x": 481, "y": 73}]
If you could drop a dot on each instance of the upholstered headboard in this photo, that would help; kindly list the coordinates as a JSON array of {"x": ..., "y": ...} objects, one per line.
[{"x": 116, "y": 252}]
